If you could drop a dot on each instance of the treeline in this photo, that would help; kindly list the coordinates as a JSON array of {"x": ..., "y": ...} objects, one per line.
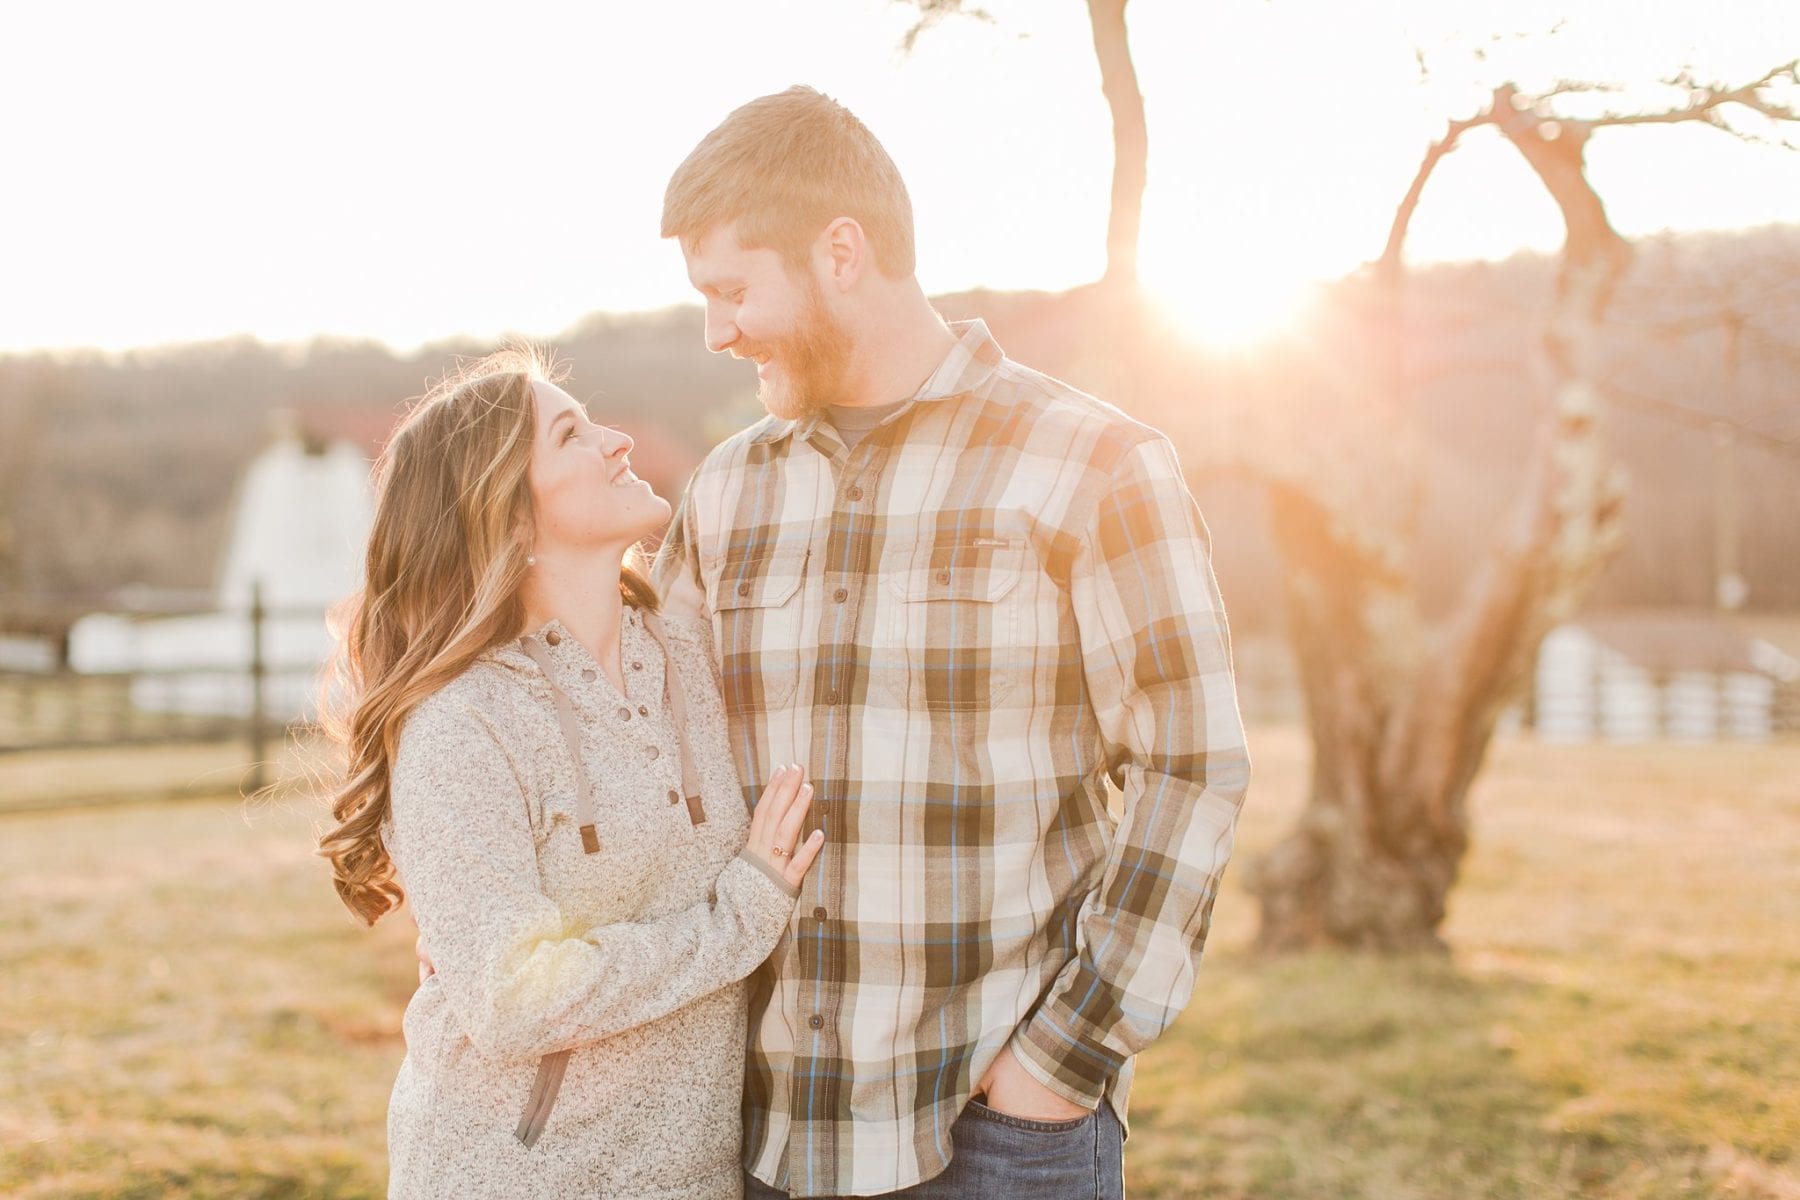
[{"x": 119, "y": 469}]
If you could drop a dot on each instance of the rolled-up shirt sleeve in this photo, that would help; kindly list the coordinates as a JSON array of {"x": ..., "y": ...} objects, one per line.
[{"x": 1157, "y": 662}]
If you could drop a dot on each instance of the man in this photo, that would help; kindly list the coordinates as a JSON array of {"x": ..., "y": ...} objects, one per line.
[{"x": 964, "y": 595}]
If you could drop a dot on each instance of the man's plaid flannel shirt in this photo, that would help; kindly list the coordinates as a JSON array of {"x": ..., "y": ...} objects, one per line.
[{"x": 963, "y": 628}]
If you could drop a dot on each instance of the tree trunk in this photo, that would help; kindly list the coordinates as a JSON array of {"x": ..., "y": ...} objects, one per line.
[
  {"x": 1364, "y": 867},
  {"x": 1402, "y": 716},
  {"x": 1131, "y": 143}
]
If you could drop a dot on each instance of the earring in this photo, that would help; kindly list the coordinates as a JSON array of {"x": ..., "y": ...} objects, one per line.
[{"x": 531, "y": 560}]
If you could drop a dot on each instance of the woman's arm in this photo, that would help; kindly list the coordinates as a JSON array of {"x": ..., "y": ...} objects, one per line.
[{"x": 519, "y": 978}]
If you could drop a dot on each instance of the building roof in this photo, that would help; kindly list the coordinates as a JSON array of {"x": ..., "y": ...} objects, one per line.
[{"x": 1665, "y": 640}]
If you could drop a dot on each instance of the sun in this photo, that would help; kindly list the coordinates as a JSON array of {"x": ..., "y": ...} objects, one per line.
[{"x": 1229, "y": 306}]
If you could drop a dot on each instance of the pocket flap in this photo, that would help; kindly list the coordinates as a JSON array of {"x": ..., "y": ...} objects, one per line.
[
  {"x": 746, "y": 582},
  {"x": 974, "y": 568}
]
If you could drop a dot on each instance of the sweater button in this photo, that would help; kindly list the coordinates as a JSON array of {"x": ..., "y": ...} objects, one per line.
[
  {"x": 674, "y": 796},
  {"x": 553, "y": 637},
  {"x": 624, "y": 713},
  {"x": 652, "y": 753},
  {"x": 637, "y": 666},
  {"x": 815, "y": 1021},
  {"x": 643, "y": 710},
  {"x": 587, "y": 673}
]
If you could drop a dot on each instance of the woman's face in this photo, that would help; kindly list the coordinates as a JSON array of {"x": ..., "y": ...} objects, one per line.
[{"x": 582, "y": 487}]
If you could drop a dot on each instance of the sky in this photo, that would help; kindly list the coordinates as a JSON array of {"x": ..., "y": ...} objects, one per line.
[{"x": 408, "y": 172}]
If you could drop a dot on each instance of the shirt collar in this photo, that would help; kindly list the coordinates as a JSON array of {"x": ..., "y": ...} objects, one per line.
[{"x": 968, "y": 365}]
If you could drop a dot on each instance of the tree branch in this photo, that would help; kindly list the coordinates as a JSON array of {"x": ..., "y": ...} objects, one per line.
[
  {"x": 931, "y": 12},
  {"x": 1387, "y": 268}
]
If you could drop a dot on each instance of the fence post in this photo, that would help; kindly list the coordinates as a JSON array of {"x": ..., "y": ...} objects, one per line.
[{"x": 258, "y": 729}]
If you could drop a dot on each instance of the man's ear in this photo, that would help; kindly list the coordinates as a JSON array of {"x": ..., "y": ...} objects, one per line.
[{"x": 845, "y": 252}]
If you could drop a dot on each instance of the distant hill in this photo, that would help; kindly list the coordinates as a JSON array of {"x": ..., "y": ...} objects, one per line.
[{"x": 118, "y": 469}]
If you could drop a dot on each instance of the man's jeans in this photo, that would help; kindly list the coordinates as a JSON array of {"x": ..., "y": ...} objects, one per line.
[{"x": 1001, "y": 1157}]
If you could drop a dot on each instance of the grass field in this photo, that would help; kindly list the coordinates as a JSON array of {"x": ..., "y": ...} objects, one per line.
[{"x": 185, "y": 1010}]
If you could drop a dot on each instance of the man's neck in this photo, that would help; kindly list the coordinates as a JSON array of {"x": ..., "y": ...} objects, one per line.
[{"x": 902, "y": 343}]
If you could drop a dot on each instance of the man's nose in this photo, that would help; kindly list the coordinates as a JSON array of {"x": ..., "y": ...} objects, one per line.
[{"x": 720, "y": 333}]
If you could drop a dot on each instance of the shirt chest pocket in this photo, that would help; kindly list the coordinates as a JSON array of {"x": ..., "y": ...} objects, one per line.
[
  {"x": 953, "y": 625},
  {"x": 758, "y": 627}
]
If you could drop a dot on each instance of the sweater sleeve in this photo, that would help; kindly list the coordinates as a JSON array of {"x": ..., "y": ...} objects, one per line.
[{"x": 521, "y": 981}]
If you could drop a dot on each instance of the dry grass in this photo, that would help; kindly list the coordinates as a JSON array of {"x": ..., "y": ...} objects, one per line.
[{"x": 186, "y": 1011}]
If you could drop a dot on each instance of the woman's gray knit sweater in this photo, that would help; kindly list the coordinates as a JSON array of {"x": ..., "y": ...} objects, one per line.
[{"x": 632, "y": 958}]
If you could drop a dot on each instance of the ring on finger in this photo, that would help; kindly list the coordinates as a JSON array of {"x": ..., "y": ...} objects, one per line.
[{"x": 778, "y": 852}]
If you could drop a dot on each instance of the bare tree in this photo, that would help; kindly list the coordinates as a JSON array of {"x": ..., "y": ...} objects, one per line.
[
  {"x": 1402, "y": 710},
  {"x": 1131, "y": 140},
  {"x": 21, "y": 429}
]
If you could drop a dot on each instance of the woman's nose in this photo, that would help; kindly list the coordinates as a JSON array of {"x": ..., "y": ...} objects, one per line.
[{"x": 617, "y": 442}]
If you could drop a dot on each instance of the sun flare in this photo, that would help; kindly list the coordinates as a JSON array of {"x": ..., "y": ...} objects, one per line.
[{"x": 1235, "y": 307}]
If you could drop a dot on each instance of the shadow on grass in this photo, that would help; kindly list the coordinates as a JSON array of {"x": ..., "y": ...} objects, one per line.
[{"x": 1332, "y": 1075}]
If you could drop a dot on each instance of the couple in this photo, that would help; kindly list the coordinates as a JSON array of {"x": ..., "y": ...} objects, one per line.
[{"x": 786, "y": 867}]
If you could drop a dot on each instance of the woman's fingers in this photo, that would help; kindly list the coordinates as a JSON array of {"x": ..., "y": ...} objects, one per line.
[
  {"x": 784, "y": 785},
  {"x": 787, "y": 830},
  {"x": 801, "y": 860},
  {"x": 765, "y": 823}
]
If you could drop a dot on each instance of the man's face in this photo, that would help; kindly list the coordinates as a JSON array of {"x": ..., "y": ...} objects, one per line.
[{"x": 760, "y": 309}]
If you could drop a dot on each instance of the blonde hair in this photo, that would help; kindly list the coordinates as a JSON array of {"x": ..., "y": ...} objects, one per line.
[
  {"x": 784, "y": 167},
  {"x": 441, "y": 587}
]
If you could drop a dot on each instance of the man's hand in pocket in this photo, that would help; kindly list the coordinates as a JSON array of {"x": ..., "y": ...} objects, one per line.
[{"x": 1009, "y": 1088}]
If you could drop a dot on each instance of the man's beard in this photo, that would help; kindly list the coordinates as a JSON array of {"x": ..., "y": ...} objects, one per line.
[{"x": 813, "y": 361}]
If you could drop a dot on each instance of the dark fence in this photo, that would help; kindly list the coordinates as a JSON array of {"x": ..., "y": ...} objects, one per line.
[{"x": 48, "y": 705}]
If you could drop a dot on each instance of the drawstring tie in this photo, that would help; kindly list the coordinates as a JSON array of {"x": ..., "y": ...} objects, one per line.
[{"x": 674, "y": 701}]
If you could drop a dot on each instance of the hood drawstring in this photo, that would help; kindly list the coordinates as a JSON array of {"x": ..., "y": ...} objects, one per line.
[
  {"x": 674, "y": 700},
  {"x": 571, "y": 731}
]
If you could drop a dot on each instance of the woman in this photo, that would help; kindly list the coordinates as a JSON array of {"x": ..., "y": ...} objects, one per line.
[{"x": 540, "y": 762}]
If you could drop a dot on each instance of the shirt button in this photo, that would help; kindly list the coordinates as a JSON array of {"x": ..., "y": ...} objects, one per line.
[
  {"x": 818, "y": 914},
  {"x": 831, "y": 697},
  {"x": 587, "y": 673},
  {"x": 743, "y": 589},
  {"x": 624, "y": 714},
  {"x": 855, "y": 493},
  {"x": 553, "y": 637},
  {"x": 840, "y": 595},
  {"x": 943, "y": 577},
  {"x": 674, "y": 796},
  {"x": 816, "y": 1021}
]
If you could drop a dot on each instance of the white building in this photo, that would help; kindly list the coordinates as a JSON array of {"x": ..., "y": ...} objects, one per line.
[
  {"x": 1639, "y": 676},
  {"x": 299, "y": 525}
]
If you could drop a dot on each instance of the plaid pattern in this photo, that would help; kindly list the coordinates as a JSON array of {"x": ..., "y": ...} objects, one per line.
[{"x": 962, "y": 628}]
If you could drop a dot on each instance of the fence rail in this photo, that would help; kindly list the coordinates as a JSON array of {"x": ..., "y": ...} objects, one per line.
[{"x": 252, "y": 700}]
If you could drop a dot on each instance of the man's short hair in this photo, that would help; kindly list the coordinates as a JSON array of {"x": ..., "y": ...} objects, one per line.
[{"x": 785, "y": 166}]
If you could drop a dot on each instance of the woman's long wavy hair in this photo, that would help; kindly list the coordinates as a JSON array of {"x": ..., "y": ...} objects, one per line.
[{"x": 441, "y": 586}]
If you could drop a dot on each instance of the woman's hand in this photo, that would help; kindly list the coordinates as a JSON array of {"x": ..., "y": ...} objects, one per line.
[{"x": 775, "y": 825}]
